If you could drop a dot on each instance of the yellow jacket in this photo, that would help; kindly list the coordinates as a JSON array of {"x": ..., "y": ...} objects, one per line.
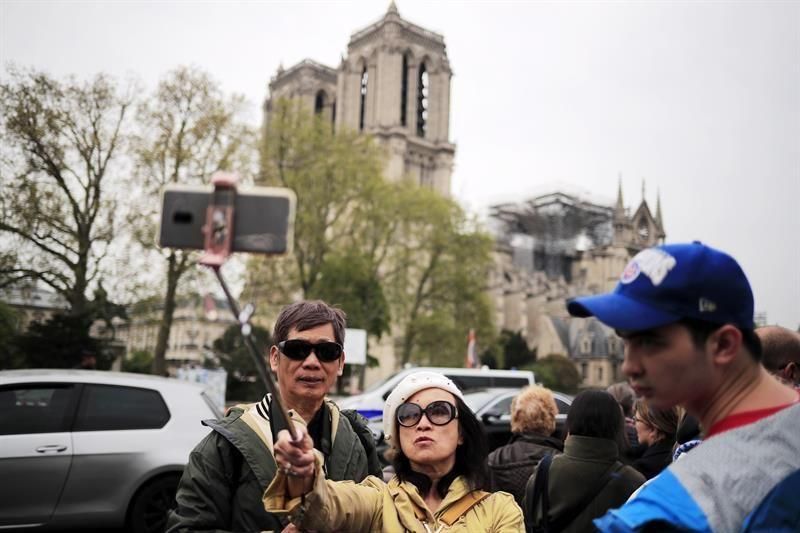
[{"x": 394, "y": 507}]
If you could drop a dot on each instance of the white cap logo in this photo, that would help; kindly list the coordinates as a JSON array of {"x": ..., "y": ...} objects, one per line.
[{"x": 653, "y": 263}]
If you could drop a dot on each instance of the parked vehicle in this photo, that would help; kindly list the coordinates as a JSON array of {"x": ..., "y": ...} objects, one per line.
[
  {"x": 492, "y": 406},
  {"x": 370, "y": 403},
  {"x": 90, "y": 449}
]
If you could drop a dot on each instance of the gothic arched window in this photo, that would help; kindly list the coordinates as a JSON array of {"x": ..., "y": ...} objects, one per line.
[
  {"x": 320, "y": 102},
  {"x": 364, "y": 81},
  {"x": 404, "y": 92},
  {"x": 423, "y": 91}
]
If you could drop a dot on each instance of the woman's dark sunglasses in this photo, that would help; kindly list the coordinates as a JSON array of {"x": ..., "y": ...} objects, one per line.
[
  {"x": 298, "y": 349},
  {"x": 439, "y": 413}
]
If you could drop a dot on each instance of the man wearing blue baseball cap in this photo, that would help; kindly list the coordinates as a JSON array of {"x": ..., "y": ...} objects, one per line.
[{"x": 685, "y": 312}]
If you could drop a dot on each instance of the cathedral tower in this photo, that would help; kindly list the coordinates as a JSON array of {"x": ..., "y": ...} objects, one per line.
[{"x": 394, "y": 83}]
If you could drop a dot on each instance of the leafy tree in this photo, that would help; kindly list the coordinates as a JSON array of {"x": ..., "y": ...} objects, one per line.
[
  {"x": 60, "y": 145},
  {"x": 9, "y": 320},
  {"x": 189, "y": 130},
  {"x": 422, "y": 250},
  {"x": 59, "y": 343},
  {"x": 347, "y": 280},
  {"x": 516, "y": 353},
  {"x": 556, "y": 372},
  {"x": 243, "y": 383},
  {"x": 139, "y": 362},
  {"x": 333, "y": 176}
]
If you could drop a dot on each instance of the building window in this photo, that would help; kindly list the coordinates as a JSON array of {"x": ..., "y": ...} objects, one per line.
[
  {"x": 600, "y": 373},
  {"x": 320, "y": 102},
  {"x": 364, "y": 81},
  {"x": 584, "y": 370},
  {"x": 404, "y": 92},
  {"x": 423, "y": 91}
]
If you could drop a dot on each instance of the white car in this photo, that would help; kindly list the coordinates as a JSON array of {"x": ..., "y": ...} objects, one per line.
[
  {"x": 83, "y": 448},
  {"x": 370, "y": 403}
]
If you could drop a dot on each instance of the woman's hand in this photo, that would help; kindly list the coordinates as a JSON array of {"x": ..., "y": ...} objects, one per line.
[{"x": 295, "y": 458}]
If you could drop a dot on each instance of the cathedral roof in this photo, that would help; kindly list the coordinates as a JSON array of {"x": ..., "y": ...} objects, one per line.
[{"x": 392, "y": 16}]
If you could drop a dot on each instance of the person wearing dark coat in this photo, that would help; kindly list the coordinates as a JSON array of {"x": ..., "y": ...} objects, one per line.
[
  {"x": 533, "y": 421},
  {"x": 588, "y": 479},
  {"x": 655, "y": 429}
]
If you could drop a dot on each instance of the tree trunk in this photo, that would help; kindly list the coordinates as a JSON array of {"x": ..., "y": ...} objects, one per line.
[{"x": 173, "y": 275}]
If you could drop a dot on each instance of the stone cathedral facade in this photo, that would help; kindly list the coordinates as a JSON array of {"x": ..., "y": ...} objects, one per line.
[{"x": 393, "y": 83}]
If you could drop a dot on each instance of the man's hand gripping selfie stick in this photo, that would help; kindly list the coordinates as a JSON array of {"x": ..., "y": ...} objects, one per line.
[{"x": 218, "y": 231}]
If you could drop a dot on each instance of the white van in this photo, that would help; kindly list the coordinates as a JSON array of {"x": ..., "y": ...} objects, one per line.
[{"x": 370, "y": 402}]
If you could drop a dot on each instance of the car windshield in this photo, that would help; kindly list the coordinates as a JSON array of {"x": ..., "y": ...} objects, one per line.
[{"x": 478, "y": 399}]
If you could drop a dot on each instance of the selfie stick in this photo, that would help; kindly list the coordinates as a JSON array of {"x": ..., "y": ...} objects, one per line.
[{"x": 219, "y": 232}]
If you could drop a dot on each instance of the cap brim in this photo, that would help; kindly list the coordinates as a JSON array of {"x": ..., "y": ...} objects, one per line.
[{"x": 620, "y": 312}]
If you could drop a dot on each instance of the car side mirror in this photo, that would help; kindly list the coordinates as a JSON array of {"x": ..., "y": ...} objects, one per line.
[{"x": 491, "y": 417}]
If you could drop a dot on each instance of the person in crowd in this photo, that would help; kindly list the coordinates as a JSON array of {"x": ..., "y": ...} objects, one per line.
[
  {"x": 688, "y": 435},
  {"x": 656, "y": 430},
  {"x": 228, "y": 471},
  {"x": 685, "y": 313},
  {"x": 440, "y": 471},
  {"x": 533, "y": 421},
  {"x": 781, "y": 353},
  {"x": 623, "y": 393},
  {"x": 588, "y": 479}
]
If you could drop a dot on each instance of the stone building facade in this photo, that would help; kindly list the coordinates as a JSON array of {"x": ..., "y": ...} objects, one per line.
[
  {"x": 394, "y": 83},
  {"x": 557, "y": 246}
]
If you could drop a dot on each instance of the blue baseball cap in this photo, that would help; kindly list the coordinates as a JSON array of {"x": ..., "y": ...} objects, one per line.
[{"x": 667, "y": 283}]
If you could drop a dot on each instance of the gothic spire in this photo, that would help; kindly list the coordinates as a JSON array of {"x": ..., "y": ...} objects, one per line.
[
  {"x": 659, "y": 220},
  {"x": 619, "y": 209},
  {"x": 392, "y": 9}
]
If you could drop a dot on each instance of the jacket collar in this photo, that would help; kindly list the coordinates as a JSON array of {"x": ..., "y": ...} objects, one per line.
[
  {"x": 591, "y": 448},
  {"x": 413, "y": 510}
]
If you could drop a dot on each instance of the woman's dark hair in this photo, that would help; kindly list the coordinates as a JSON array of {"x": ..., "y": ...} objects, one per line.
[
  {"x": 597, "y": 414},
  {"x": 470, "y": 457}
]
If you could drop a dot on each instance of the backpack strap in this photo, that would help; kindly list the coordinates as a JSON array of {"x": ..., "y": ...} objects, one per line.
[
  {"x": 536, "y": 490},
  {"x": 462, "y": 506},
  {"x": 361, "y": 429},
  {"x": 569, "y": 515}
]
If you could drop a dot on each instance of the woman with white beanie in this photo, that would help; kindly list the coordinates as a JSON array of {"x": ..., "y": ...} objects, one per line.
[{"x": 440, "y": 465}]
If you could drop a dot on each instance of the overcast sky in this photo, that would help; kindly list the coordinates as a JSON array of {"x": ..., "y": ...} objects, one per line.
[{"x": 700, "y": 100}]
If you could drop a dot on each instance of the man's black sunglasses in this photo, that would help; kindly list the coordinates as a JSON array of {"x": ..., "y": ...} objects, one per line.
[{"x": 298, "y": 349}]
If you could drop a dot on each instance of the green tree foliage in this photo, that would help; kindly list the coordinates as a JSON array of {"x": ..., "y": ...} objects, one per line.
[
  {"x": 556, "y": 372},
  {"x": 139, "y": 362},
  {"x": 425, "y": 253},
  {"x": 60, "y": 142},
  {"x": 335, "y": 176},
  {"x": 188, "y": 130},
  {"x": 348, "y": 281},
  {"x": 59, "y": 343},
  {"x": 243, "y": 382},
  {"x": 9, "y": 321},
  {"x": 516, "y": 353}
]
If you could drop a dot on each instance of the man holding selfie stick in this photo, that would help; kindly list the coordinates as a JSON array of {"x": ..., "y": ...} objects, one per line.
[{"x": 228, "y": 471}]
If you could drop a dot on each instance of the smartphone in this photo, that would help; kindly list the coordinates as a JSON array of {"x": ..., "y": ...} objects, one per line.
[{"x": 263, "y": 218}]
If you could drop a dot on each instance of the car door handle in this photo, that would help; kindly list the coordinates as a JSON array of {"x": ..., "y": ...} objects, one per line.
[{"x": 51, "y": 448}]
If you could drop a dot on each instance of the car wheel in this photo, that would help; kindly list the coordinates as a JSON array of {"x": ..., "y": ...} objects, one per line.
[{"x": 151, "y": 506}]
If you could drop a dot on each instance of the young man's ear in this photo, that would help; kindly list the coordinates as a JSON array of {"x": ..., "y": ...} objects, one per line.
[
  {"x": 725, "y": 343},
  {"x": 791, "y": 373}
]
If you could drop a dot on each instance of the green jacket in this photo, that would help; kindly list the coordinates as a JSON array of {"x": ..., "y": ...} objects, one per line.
[
  {"x": 573, "y": 480},
  {"x": 229, "y": 470}
]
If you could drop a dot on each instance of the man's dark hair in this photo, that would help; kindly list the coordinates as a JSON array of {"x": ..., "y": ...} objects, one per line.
[
  {"x": 470, "y": 456},
  {"x": 309, "y": 314},
  {"x": 597, "y": 414},
  {"x": 700, "y": 330},
  {"x": 779, "y": 347}
]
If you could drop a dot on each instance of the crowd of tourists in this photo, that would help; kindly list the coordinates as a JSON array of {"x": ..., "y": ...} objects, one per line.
[{"x": 703, "y": 436}]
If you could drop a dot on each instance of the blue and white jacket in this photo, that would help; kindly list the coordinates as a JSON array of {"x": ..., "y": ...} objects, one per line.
[{"x": 745, "y": 479}]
